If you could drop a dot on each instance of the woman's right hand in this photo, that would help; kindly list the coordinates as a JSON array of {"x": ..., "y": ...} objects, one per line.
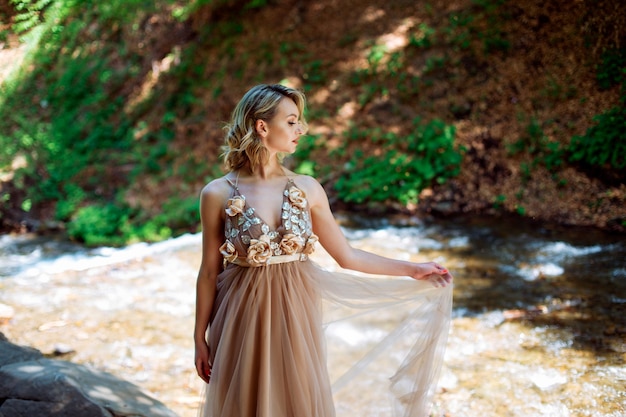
[{"x": 203, "y": 366}]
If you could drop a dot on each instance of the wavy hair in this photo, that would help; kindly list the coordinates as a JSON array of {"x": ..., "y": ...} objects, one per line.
[{"x": 243, "y": 148}]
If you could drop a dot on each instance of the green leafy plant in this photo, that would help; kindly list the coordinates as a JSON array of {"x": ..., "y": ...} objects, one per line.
[
  {"x": 404, "y": 167},
  {"x": 422, "y": 37},
  {"x": 603, "y": 145},
  {"x": 99, "y": 225},
  {"x": 77, "y": 139},
  {"x": 499, "y": 201},
  {"x": 535, "y": 143},
  {"x": 611, "y": 70},
  {"x": 29, "y": 14}
]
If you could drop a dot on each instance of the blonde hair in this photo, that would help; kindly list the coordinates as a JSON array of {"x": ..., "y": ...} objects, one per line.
[{"x": 242, "y": 147}]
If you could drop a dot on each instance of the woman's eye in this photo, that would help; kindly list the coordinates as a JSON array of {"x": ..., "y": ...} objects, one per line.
[{"x": 292, "y": 123}]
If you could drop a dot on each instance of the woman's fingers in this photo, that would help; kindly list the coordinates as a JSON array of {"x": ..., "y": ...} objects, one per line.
[
  {"x": 439, "y": 280},
  {"x": 439, "y": 269},
  {"x": 204, "y": 370}
]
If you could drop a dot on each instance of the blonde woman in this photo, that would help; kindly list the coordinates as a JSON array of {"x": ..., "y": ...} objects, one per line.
[{"x": 259, "y": 335}]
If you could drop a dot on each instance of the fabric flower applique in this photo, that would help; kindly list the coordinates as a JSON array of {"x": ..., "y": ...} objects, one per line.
[
  {"x": 235, "y": 205},
  {"x": 228, "y": 251},
  {"x": 297, "y": 197},
  {"x": 291, "y": 244},
  {"x": 309, "y": 248},
  {"x": 259, "y": 251}
]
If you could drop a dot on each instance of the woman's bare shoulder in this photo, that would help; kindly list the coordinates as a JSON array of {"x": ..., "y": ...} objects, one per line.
[
  {"x": 304, "y": 180},
  {"x": 217, "y": 189},
  {"x": 311, "y": 186}
]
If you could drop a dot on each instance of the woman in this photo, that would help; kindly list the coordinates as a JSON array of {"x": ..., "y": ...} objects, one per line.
[{"x": 259, "y": 296}]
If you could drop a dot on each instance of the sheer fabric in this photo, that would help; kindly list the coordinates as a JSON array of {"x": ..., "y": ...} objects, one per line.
[{"x": 271, "y": 321}]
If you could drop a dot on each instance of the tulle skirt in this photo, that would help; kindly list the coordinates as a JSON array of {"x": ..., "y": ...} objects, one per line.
[{"x": 269, "y": 330}]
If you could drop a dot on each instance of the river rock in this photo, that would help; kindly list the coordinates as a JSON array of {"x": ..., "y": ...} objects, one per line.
[
  {"x": 10, "y": 353},
  {"x": 31, "y": 385}
]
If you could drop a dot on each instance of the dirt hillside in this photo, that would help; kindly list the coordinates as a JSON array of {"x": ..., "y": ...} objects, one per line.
[{"x": 511, "y": 77}]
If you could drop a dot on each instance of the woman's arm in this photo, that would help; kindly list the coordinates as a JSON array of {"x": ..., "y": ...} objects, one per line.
[
  {"x": 336, "y": 244},
  {"x": 211, "y": 214}
]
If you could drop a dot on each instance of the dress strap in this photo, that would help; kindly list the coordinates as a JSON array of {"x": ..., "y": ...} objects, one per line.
[
  {"x": 235, "y": 184},
  {"x": 289, "y": 178}
]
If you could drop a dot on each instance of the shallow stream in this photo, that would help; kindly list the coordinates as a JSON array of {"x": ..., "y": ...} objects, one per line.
[{"x": 539, "y": 323}]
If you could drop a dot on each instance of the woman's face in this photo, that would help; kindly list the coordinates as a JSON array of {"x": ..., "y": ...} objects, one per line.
[{"x": 282, "y": 132}]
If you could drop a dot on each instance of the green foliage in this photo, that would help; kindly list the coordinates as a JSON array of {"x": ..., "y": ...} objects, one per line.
[
  {"x": 307, "y": 145},
  {"x": 604, "y": 144},
  {"x": 256, "y": 4},
  {"x": 493, "y": 37},
  {"x": 180, "y": 212},
  {"x": 611, "y": 70},
  {"x": 557, "y": 92},
  {"x": 183, "y": 11},
  {"x": 423, "y": 37},
  {"x": 67, "y": 119},
  {"x": 483, "y": 23},
  {"x": 405, "y": 165},
  {"x": 314, "y": 72},
  {"x": 375, "y": 57},
  {"x": 84, "y": 144},
  {"x": 118, "y": 224},
  {"x": 29, "y": 14},
  {"x": 434, "y": 63},
  {"x": 499, "y": 201},
  {"x": 99, "y": 225},
  {"x": 535, "y": 143},
  {"x": 78, "y": 124},
  {"x": 458, "y": 30}
]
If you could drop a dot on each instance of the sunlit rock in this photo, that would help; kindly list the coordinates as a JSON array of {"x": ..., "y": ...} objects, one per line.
[
  {"x": 547, "y": 379},
  {"x": 10, "y": 353},
  {"x": 31, "y": 385}
]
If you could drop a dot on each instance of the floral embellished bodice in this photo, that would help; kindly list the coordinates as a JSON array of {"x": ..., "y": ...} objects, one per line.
[{"x": 251, "y": 242}]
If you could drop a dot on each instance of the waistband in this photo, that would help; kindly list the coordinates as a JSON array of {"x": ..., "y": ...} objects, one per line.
[{"x": 276, "y": 259}]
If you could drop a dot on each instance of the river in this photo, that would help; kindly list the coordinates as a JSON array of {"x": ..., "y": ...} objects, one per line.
[{"x": 539, "y": 325}]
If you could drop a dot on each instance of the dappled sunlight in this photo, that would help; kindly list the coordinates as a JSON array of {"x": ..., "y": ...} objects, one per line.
[
  {"x": 11, "y": 58},
  {"x": 547, "y": 337},
  {"x": 63, "y": 384},
  {"x": 148, "y": 95},
  {"x": 399, "y": 38},
  {"x": 30, "y": 368},
  {"x": 151, "y": 79},
  {"x": 372, "y": 13},
  {"x": 127, "y": 113}
]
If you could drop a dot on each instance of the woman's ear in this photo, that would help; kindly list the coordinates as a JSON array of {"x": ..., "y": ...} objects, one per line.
[{"x": 261, "y": 128}]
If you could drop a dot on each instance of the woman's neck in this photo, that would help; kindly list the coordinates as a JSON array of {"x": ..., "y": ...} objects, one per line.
[{"x": 269, "y": 170}]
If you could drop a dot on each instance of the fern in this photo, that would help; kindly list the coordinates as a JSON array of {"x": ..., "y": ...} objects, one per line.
[{"x": 30, "y": 14}]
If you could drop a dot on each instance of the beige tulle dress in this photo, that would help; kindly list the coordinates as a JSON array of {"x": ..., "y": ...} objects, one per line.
[{"x": 274, "y": 308}]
